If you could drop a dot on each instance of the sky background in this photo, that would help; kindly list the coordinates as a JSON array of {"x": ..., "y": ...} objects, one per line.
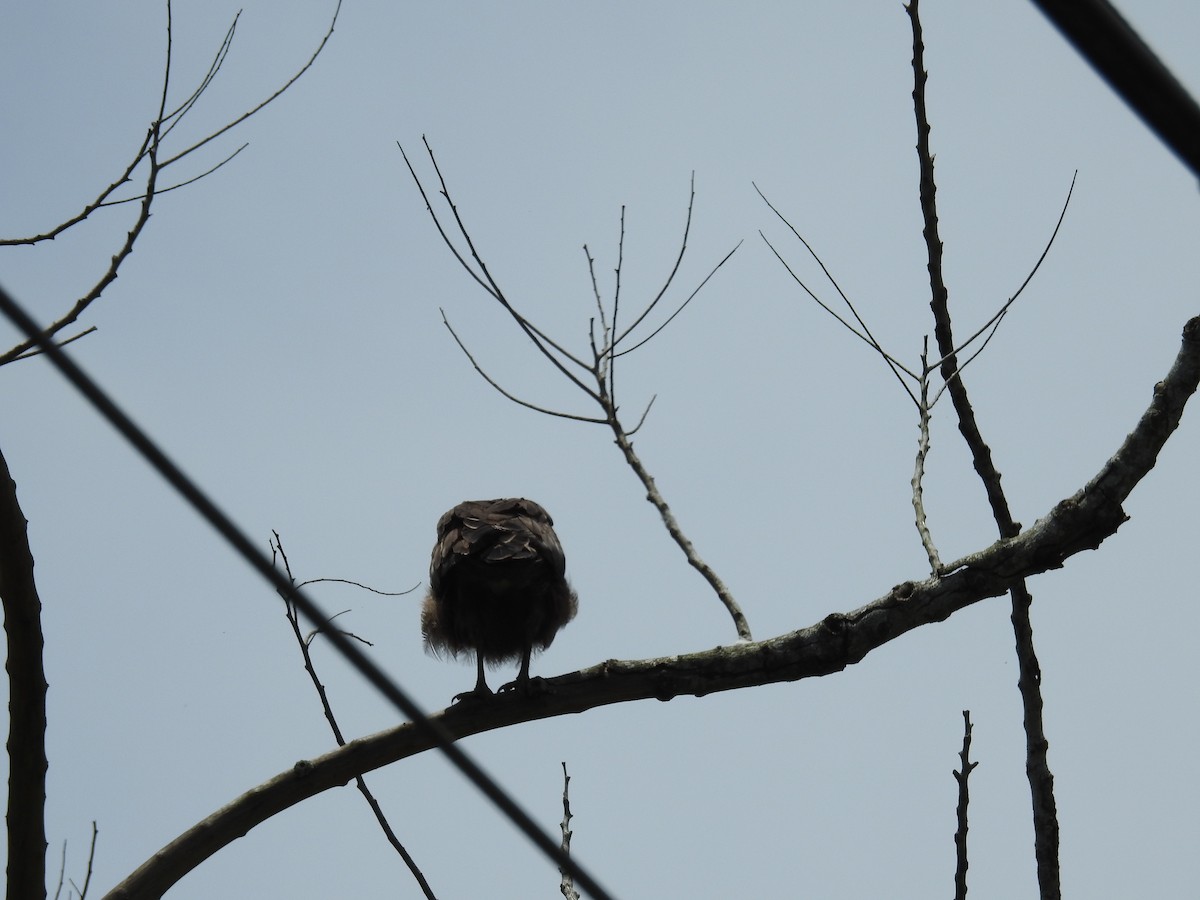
[{"x": 277, "y": 329}]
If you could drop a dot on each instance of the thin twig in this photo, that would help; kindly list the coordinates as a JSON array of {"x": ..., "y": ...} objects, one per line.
[
  {"x": 275, "y": 96},
  {"x": 681, "y": 306},
  {"x": 513, "y": 397},
  {"x": 994, "y": 322},
  {"x": 602, "y": 367},
  {"x": 964, "y": 800},
  {"x": 894, "y": 364},
  {"x": 918, "y": 494},
  {"x": 376, "y": 809},
  {"x": 668, "y": 517},
  {"x": 149, "y": 152},
  {"x": 866, "y": 334},
  {"x": 567, "y": 885},
  {"x": 180, "y": 184},
  {"x": 687, "y": 230},
  {"x": 357, "y": 584},
  {"x": 87, "y": 879},
  {"x": 541, "y": 340},
  {"x": 37, "y": 351},
  {"x": 62, "y": 870}
]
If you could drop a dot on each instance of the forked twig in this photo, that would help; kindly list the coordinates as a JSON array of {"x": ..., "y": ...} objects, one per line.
[
  {"x": 605, "y": 348},
  {"x": 951, "y": 373},
  {"x": 277, "y": 552},
  {"x": 567, "y": 883},
  {"x": 149, "y": 153},
  {"x": 964, "y": 800}
]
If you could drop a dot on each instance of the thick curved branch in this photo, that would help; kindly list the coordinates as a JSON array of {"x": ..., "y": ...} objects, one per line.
[{"x": 1078, "y": 523}]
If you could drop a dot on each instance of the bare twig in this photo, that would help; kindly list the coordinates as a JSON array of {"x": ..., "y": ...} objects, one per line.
[
  {"x": 687, "y": 229},
  {"x": 567, "y": 885},
  {"x": 35, "y": 351},
  {"x": 918, "y": 495},
  {"x": 87, "y": 879},
  {"x": 150, "y": 154},
  {"x": 304, "y": 645},
  {"x": 62, "y": 870},
  {"x": 513, "y": 397},
  {"x": 1041, "y": 781},
  {"x": 275, "y": 96},
  {"x": 964, "y": 799},
  {"x": 359, "y": 584},
  {"x": 679, "y": 308},
  {"x": 668, "y": 517},
  {"x": 994, "y": 322},
  {"x": 604, "y": 352}
]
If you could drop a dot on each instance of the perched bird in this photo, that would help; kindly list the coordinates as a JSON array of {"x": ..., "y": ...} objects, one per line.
[{"x": 497, "y": 585}]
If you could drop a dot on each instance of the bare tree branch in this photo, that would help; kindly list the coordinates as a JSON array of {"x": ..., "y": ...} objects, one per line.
[
  {"x": 304, "y": 645},
  {"x": 253, "y": 110},
  {"x": 87, "y": 880},
  {"x": 964, "y": 799},
  {"x": 567, "y": 884},
  {"x": 1037, "y": 767},
  {"x": 149, "y": 153},
  {"x": 1078, "y": 523},
  {"x": 602, "y": 369},
  {"x": 918, "y": 493},
  {"x": 27, "y": 763},
  {"x": 687, "y": 228},
  {"x": 679, "y": 308},
  {"x": 513, "y": 397}
]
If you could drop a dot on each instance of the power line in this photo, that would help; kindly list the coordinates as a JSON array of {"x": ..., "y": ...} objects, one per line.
[
  {"x": 258, "y": 560},
  {"x": 1119, "y": 55}
]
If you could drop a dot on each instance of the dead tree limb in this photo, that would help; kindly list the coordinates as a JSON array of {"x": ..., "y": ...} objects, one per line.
[
  {"x": 1037, "y": 766},
  {"x": 1080, "y": 522},
  {"x": 304, "y": 644},
  {"x": 962, "y": 776},
  {"x": 27, "y": 700},
  {"x": 151, "y": 156},
  {"x": 595, "y": 378}
]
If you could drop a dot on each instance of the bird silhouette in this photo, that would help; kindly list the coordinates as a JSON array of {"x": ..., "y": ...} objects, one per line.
[{"x": 497, "y": 586}]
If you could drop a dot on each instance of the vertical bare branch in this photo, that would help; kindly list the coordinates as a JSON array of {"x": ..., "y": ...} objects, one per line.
[
  {"x": 27, "y": 700},
  {"x": 918, "y": 494},
  {"x": 1037, "y": 767},
  {"x": 376, "y": 810},
  {"x": 964, "y": 800},
  {"x": 567, "y": 885}
]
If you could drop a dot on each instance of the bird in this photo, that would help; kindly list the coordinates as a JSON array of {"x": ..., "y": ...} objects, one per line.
[{"x": 497, "y": 587}]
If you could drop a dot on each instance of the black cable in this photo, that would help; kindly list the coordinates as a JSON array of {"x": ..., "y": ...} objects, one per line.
[
  {"x": 259, "y": 561},
  {"x": 1119, "y": 55}
]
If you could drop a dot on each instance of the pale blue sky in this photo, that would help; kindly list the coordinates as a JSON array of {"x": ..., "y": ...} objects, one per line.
[{"x": 277, "y": 329}]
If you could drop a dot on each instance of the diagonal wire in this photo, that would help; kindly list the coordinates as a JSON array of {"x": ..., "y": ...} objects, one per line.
[
  {"x": 1119, "y": 55},
  {"x": 234, "y": 536}
]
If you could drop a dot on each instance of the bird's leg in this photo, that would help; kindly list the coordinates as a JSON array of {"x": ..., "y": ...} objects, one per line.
[
  {"x": 481, "y": 689},
  {"x": 481, "y": 682},
  {"x": 522, "y": 683},
  {"x": 523, "y": 674}
]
